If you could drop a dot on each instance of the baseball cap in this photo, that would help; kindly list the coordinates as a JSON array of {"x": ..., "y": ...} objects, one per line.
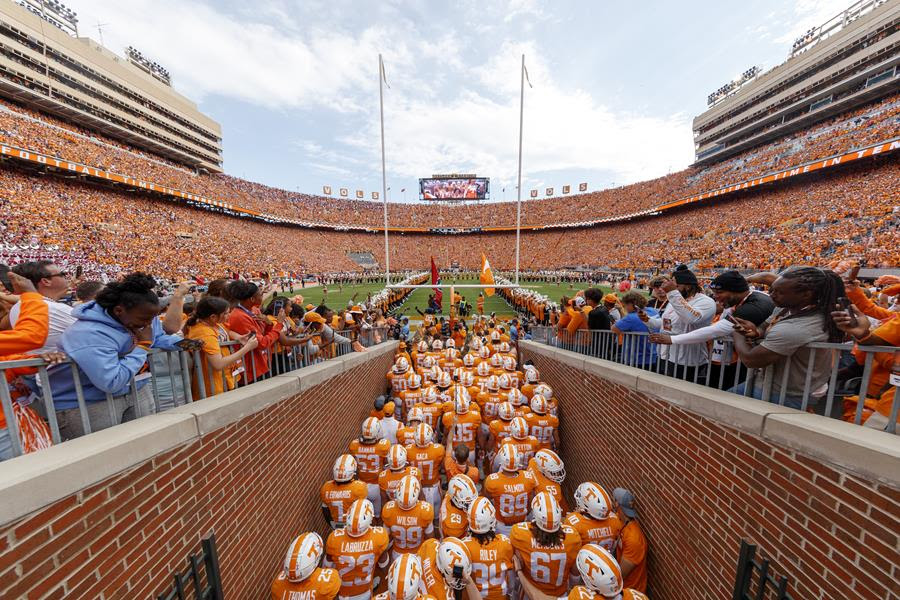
[
  {"x": 380, "y": 403},
  {"x": 729, "y": 281},
  {"x": 388, "y": 408},
  {"x": 313, "y": 317},
  {"x": 625, "y": 500},
  {"x": 579, "y": 301},
  {"x": 610, "y": 298}
]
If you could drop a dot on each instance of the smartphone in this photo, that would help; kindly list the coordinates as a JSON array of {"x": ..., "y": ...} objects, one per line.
[
  {"x": 845, "y": 303},
  {"x": 279, "y": 304},
  {"x": 252, "y": 335},
  {"x": 854, "y": 271},
  {"x": 730, "y": 319}
]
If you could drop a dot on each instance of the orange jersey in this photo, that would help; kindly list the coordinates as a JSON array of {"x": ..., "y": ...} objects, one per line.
[
  {"x": 546, "y": 567},
  {"x": 369, "y": 458},
  {"x": 408, "y": 528},
  {"x": 322, "y": 584},
  {"x": 465, "y": 429},
  {"x": 450, "y": 364},
  {"x": 406, "y": 436},
  {"x": 500, "y": 430},
  {"x": 389, "y": 480},
  {"x": 431, "y": 412},
  {"x": 579, "y": 592},
  {"x": 355, "y": 558},
  {"x": 603, "y": 532},
  {"x": 526, "y": 447},
  {"x": 490, "y": 562},
  {"x": 481, "y": 384},
  {"x": 489, "y": 402},
  {"x": 339, "y": 496},
  {"x": 511, "y": 495},
  {"x": 428, "y": 461},
  {"x": 454, "y": 522},
  {"x": 546, "y": 485},
  {"x": 397, "y": 381},
  {"x": 542, "y": 427},
  {"x": 528, "y": 390},
  {"x": 515, "y": 377},
  {"x": 411, "y": 397},
  {"x": 432, "y": 580}
]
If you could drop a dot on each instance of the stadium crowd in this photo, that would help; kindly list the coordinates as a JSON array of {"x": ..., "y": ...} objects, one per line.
[{"x": 453, "y": 490}]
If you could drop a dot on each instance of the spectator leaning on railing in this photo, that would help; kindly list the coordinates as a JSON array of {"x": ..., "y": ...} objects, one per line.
[
  {"x": 51, "y": 283},
  {"x": 805, "y": 298},
  {"x": 109, "y": 343},
  {"x": 636, "y": 350},
  {"x": 246, "y": 319}
]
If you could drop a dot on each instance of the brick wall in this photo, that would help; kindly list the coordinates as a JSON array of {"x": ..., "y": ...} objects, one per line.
[
  {"x": 254, "y": 482},
  {"x": 701, "y": 486}
]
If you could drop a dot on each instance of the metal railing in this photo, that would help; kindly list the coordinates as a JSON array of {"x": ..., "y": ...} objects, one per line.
[
  {"x": 716, "y": 364},
  {"x": 194, "y": 584},
  {"x": 755, "y": 574},
  {"x": 169, "y": 378}
]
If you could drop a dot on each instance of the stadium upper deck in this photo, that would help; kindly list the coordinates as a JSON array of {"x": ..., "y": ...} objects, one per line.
[{"x": 849, "y": 61}]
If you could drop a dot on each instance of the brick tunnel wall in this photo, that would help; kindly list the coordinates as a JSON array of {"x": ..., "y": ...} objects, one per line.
[
  {"x": 702, "y": 486},
  {"x": 254, "y": 482}
]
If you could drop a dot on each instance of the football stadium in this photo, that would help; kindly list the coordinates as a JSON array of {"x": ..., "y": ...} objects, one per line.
[{"x": 501, "y": 385}]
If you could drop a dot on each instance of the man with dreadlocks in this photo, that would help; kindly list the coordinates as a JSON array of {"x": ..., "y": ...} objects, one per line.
[{"x": 804, "y": 297}]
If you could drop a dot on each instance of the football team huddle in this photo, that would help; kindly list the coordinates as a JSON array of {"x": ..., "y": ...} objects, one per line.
[{"x": 453, "y": 489}]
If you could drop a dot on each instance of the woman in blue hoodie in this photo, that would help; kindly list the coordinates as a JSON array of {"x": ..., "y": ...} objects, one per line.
[{"x": 109, "y": 342}]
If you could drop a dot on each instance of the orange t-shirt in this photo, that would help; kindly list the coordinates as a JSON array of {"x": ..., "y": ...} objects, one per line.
[
  {"x": 454, "y": 522},
  {"x": 511, "y": 495},
  {"x": 547, "y": 568},
  {"x": 428, "y": 461},
  {"x": 466, "y": 428},
  {"x": 633, "y": 547},
  {"x": 408, "y": 528},
  {"x": 452, "y": 469},
  {"x": 355, "y": 558},
  {"x": 546, "y": 485},
  {"x": 490, "y": 562},
  {"x": 339, "y": 496},
  {"x": 322, "y": 584},
  {"x": 542, "y": 427},
  {"x": 389, "y": 480},
  {"x": 369, "y": 458},
  {"x": 594, "y": 531}
]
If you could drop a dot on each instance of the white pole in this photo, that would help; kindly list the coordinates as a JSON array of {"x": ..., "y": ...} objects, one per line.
[
  {"x": 519, "y": 187},
  {"x": 387, "y": 257}
]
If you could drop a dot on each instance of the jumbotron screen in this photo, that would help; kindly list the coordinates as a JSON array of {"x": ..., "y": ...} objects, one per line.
[{"x": 468, "y": 188}]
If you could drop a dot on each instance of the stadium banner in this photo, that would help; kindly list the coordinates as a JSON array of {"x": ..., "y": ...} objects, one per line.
[
  {"x": 567, "y": 189},
  {"x": 436, "y": 280},
  {"x": 326, "y": 189},
  {"x": 344, "y": 192},
  {"x": 549, "y": 191},
  {"x": 360, "y": 194},
  {"x": 582, "y": 187},
  {"x": 487, "y": 275},
  {"x": 534, "y": 193},
  {"x": 375, "y": 195}
]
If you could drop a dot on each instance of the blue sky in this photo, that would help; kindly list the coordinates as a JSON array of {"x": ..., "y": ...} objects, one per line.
[{"x": 294, "y": 84}]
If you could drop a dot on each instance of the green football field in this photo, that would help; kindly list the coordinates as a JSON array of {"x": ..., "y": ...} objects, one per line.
[{"x": 338, "y": 297}]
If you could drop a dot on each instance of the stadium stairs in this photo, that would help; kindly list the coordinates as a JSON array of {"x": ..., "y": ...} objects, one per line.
[{"x": 112, "y": 514}]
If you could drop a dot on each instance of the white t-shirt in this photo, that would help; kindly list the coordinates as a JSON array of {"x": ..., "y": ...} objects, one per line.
[
  {"x": 60, "y": 319},
  {"x": 389, "y": 426},
  {"x": 683, "y": 316}
]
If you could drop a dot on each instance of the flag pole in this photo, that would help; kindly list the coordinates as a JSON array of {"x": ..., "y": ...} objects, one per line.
[
  {"x": 519, "y": 187},
  {"x": 387, "y": 257}
]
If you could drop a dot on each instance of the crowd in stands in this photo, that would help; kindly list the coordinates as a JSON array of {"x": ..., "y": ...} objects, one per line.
[
  {"x": 453, "y": 490},
  {"x": 864, "y": 126}
]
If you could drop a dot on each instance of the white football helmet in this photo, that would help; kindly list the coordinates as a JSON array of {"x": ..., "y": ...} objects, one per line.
[
  {"x": 592, "y": 499},
  {"x": 396, "y": 458},
  {"x": 497, "y": 361},
  {"x": 461, "y": 490},
  {"x": 506, "y": 411},
  {"x": 371, "y": 429},
  {"x": 483, "y": 369},
  {"x": 599, "y": 570},
  {"x": 466, "y": 378},
  {"x": 504, "y": 382},
  {"x": 427, "y": 363},
  {"x": 450, "y": 343},
  {"x": 415, "y": 415},
  {"x": 431, "y": 395},
  {"x": 519, "y": 428},
  {"x": 414, "y": 381},
  {"x": 469, "y": 360},
  {"x": 516, "y": 397},
  {"x": 402, "y": 365},
  {"x": 344, "y": 468},
  {"x": 531, "y": 374},
  {"x": 443, "y": 379},
  {"x": 482, "y": 515},
  {"x": 546, "y": 512},
  {"x": 453, "y": 562},
  {"x": 484, "y": 352},
  {"x": 495, "y": 336},
  {"x": 550, "y": 465},
  {"x": 422, "y": 346},
  {"x": 424, "y": 435},
  {"x": 544, "y": 390},
  {"x": 508, "y": 458},
  {"x": 504, "y": 347},
  {"x": 359, "y": 517},
  {"x": 509, "y": 363},
  {"x": 437, "y": 345},
  {"x": 303, "y": 557},
  {"x": 404, "y": 578},
  {"x": 539, "y": 404},
  {"x": 407, "y": 492},
  {"x": 476, "y": 343},
  {"x": 493, "y": 382}
]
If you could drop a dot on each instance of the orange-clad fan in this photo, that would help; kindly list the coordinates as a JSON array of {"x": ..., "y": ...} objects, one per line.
[
  {"x": 409, "y": 520},
  {"x": 546, "y": 548},
  {"x": 543, "y": 425},
  {"x": 338, "y": 494},
  {"x": 593, "y": 518},
  {"x": 356, "y": 550},
  {"x": 370, "y": 452},
  {"x": 510, "y": 489},
  {"x": 549, "y": 471},
  {"x": 460, "y": 494},
  {"x": 396, "y": 469},
  {"x": 491, "y": 553},
  {"x": 427, "y": 456},
  {"x": 301, "y": 576}
]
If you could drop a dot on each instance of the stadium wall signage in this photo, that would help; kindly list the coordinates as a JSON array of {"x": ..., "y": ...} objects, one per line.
[{"x": 73, "y": 167}]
